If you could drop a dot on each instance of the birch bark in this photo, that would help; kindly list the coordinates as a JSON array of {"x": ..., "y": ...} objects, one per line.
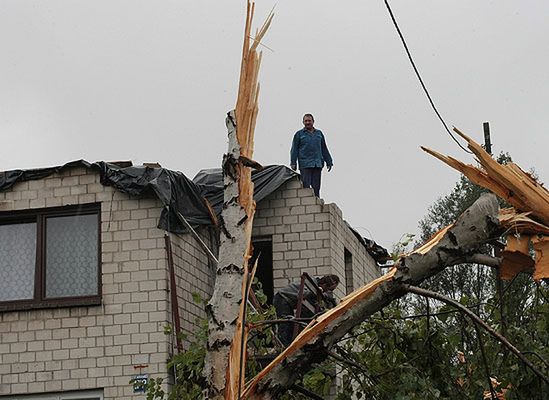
[{"x": 224, "y": 307}]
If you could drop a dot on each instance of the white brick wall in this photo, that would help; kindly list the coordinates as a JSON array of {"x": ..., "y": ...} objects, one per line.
[
  {"x": 77, "y": 348},
  {"x": 195, "y": 273},
  {"x": 309, "y": 236},
  {"x": 62, "y": 349}
]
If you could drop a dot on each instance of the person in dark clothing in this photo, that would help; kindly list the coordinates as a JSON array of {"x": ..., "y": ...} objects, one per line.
[
  {"x": 285, "y": 303},
  {"x": 309, "y": 150}
]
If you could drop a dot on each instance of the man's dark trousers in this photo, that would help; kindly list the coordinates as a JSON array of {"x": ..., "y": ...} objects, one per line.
[
  {"x": 311, "y": 178},
  {"x": 284, "y": 310}
]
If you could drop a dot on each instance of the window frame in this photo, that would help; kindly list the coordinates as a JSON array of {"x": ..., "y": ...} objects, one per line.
[{"x": 39, "y": 217}]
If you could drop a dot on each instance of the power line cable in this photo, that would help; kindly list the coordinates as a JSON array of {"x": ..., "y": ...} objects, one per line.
[{"x": 420, "y": 79}]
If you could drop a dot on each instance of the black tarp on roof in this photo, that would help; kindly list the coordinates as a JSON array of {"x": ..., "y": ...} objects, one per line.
[
  {"x": 266, "y": 181},
  {"x": 176, "y": 191},
  {"x": 172, "y": 188}
]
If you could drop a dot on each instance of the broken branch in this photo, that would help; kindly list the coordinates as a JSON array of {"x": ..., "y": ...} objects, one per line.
[
  {"x": 476, "y": 319},
  {"x": 477, "y": 225}
]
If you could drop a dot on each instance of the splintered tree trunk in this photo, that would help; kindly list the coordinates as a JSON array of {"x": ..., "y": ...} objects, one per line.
[
  {"x": 224, "y": 306},
  {"x": 225, "y": 358},
  {"x": 530, "y": 216}
]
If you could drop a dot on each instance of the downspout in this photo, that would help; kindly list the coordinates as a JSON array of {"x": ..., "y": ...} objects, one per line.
[{"x": 173, "y": 291}]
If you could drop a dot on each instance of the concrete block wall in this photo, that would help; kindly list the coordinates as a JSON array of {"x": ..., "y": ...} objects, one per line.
[
  {"x": 309, "y": 236},
  {"x": 364, "y": 267},
  {"x": 76, "y": 348},
  {"x": 299, "y": 225},
  {"x": 195, "y": 273}
]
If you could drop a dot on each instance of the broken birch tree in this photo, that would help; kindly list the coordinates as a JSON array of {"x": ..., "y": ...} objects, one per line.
[
  {"x": 226, "y": 309},
  {"x": 527, "y": 223},
  {"x": 455, "y": 245},
  {"x": 458, "y": 243}
]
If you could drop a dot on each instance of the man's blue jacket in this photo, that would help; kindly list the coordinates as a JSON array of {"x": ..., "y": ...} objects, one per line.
[{"x": 309, "y": 148}]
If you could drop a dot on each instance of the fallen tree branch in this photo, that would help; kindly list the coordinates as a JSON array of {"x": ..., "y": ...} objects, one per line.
[
  {"x": 483, "y": 259},
  {"x": 476, "y": 319},
  {"x": 478, "y": 224},
  {"x": 538, "y": 356},
  {"x": 416, "y": 316},
  {"x": 529, "y": 198}
]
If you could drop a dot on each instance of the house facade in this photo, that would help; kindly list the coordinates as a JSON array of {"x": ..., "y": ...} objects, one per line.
[{"x": 85, "y": 292}]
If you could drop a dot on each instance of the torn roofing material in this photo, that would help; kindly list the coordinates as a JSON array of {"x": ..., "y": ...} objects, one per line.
[
  {"x": 176, "y": 191},
  {"x": 172, "y": 188},
  {"x": 378, "y": 253},
  {"x": 266, "y": 181}
]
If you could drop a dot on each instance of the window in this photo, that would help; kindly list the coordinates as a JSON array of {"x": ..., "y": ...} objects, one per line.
[
  {"x": 50, "y": 257},
  {"x": 263, "y": 248},
  {"x": 348, "y": 260}
]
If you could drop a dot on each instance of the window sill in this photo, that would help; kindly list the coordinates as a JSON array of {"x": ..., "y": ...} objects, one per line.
[{"x": 53, "y": 303}]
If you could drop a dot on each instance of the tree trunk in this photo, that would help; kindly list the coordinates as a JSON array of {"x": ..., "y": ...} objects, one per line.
[
  {"x": 225, "y": 358},
  {"x": 224, "y": 306}
]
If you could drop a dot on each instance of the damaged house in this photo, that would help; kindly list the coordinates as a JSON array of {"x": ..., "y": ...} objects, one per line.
[{"x": 96, "y": 260}]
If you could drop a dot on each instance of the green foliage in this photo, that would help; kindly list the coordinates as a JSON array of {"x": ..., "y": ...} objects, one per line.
[
  {"x": 197, "y": 298},
  {"x": 320, "y": 379},
  {"x": 154, "y": 389},
  {"x": 415, "y": 357},
  {"x": 402, "y": 246},
  {"x": 261, "y": 337},
  {"x": 260, "y": 295},
  {"x": 188, "y": 365}
]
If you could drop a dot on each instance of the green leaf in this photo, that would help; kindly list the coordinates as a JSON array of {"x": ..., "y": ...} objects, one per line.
[{"x": 197, "y": 298}]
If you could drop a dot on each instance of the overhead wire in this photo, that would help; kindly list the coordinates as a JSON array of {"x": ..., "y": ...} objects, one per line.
[{"x": 420, "y": 79}]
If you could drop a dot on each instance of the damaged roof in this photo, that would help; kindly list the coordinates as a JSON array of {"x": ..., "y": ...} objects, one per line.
[{"x": 194, "y": 199}]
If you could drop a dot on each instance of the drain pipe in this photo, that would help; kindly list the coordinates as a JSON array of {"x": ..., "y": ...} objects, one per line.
[{"x": 173, "y": 291}]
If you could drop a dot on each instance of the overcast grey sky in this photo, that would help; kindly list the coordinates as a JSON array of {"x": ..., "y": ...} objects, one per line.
[{"x": 151, "y": 81}]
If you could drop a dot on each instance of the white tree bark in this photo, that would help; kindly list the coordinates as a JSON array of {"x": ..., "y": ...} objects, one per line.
[
  {"x": 225, "y": 359},
  {"x": 224, "y": 306}
]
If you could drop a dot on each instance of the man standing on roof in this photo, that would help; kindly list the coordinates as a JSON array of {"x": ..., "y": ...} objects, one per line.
[{"x": 310, "y": 151}]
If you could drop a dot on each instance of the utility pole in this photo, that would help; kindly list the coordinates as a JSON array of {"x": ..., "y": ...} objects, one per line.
[
  {"x": 497, "y": 250},
  {"x": 487, "y": 142}
]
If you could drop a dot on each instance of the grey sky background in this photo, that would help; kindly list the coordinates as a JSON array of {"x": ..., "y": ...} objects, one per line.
[{"x": 151, "y": 81}]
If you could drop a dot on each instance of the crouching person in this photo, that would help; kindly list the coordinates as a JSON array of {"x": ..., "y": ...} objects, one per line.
[{"x": 286, "y": 299}]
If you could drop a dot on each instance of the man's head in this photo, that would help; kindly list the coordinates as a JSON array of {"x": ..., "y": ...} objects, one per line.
[
  {"x": 328, "y": 283},
  {"x": 308, "y": 121}
]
